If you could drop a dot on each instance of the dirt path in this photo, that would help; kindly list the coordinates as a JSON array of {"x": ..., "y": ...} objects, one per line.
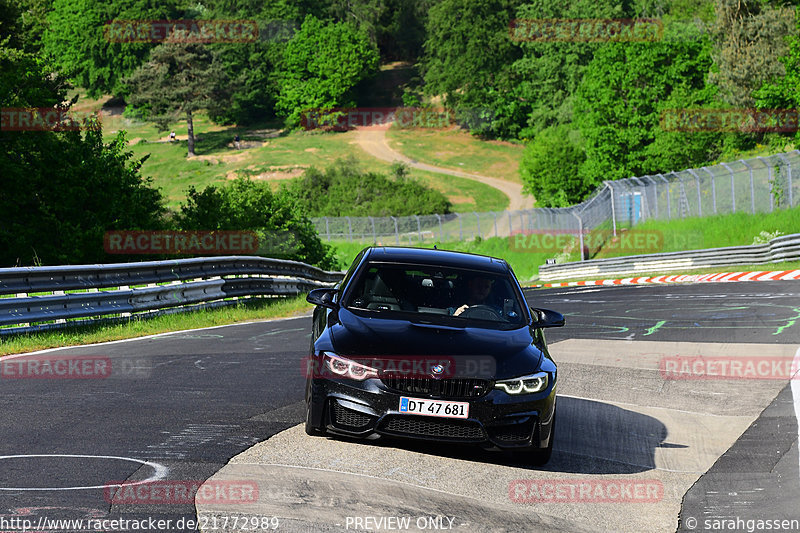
[{"x": 372, "y": 139}]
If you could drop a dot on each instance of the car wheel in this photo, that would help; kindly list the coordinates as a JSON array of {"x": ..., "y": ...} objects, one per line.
[{"x": 310, "y": 429}]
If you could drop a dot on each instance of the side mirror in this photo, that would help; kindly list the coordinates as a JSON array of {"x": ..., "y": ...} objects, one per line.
[
  {"x": 545, "y": 318},
  {"x": 323, "y": 297}
]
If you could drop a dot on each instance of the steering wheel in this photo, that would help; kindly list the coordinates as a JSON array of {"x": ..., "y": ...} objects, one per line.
[{"x": 481, "y": 312}]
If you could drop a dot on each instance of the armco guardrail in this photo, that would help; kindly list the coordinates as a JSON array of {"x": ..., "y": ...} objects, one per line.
[
  {"x": 784, "y": 248},
  {"x": 40, "y": 300}
]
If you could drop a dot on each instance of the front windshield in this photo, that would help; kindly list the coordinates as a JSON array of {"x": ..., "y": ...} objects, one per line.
[{"x": 438, "y": 292}]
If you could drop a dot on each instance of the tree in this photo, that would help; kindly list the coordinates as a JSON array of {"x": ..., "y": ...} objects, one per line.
[
  {"x": 321, "y": 66},
  {"x": 77, "y": 41},
  {"x": 620, "y": 100},
  {"x": 549, "y": 168},
  {"x": 783, "y": 91},
  {"x": 549, "y": 72},
  {"x": 468, "y": 58},
  {"x": 62, "y": 190},
  {"x": 750, "y": 36},
  {"x": 180, "y": 78},
  {"x": 247, "y": 205}
]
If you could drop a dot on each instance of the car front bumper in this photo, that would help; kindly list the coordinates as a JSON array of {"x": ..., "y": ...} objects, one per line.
[{"x": 496, "y": 419}]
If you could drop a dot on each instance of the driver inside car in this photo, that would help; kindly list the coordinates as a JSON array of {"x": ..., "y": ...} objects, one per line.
[{"x": 478, "y": 291}]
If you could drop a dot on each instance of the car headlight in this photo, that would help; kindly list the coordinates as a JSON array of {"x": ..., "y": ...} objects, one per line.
[
  {"x": 346, "y": 368},
  {"x": 525, "y": 385}
]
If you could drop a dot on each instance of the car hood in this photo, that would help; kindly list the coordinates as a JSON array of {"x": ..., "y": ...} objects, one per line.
[{"x": 511, "y": 352}]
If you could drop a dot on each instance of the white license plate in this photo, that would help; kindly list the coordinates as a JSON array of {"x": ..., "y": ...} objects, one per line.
[{"x": 417, "y": 406}]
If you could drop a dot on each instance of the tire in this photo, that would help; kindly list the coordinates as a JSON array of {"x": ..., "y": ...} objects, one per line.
[{"x": 310, "y": 429}]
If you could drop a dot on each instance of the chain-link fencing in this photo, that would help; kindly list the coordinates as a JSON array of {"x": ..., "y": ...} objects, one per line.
[{"x": 757, "y": 185}]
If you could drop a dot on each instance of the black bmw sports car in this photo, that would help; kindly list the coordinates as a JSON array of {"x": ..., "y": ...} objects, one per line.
[{"x": 433, "y": 345}]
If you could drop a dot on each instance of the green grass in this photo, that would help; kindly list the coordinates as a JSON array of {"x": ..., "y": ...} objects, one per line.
[
  {"x": 458, "y": 150},
  {"x": 735, "y": 229},
  {"x": 248, "y": 310},
  {"x": 267, "y": 153}
]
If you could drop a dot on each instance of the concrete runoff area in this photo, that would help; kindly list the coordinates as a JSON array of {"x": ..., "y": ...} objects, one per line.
[{"x": 623, "y": 424}]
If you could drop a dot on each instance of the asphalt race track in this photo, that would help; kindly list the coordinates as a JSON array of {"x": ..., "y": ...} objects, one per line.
[{"x": 225, "y": 402}]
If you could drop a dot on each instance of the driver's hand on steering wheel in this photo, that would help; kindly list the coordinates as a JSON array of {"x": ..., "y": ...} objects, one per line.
[{"x": 461, "y": 310}]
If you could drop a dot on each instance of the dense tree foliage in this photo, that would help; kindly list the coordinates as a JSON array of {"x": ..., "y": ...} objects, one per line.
[
  {"x": 321, "y": 65},
  {"x": 62, "y": 189},
  {"x": 247, "y": 205},
  {"x": 84, "y": 47}
]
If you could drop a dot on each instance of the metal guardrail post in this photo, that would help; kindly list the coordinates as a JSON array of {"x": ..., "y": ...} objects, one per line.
[
  {"x": 713, "y": 189},
  {"x": 771, "y": 183},
  {"x": 613, "y": 209},
  {"x": 699, "y": 198},
  {"x": 789, "y": 176},
  {"x": 752, "y": 187},
  {"x": 733, "y": 189},
  {"x": 580, "y": 232},
  {"x": 655, "y": 194},
  {"x": 396, "y": 231},
  {"x": 349, "y": 229},
  {"x": 669, "y": 192}
]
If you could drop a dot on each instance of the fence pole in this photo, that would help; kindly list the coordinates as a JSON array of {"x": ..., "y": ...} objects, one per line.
[
  {"x": 510, "y": 225},
  {"x": 769, "y": 180},
  {"x": 580, "y": 231},
  {"x": 439, "y": 218},
  {"x": 419, "y": 228},
  {"x": 733, "y": 190},
  {"x": 669, "y": 189},
  {"x": 496, "y": 234},
  {"x": 349, "y": 229},
  {"x": 478, "y": 217},
  {"x": 752, "y": 187},
  {"x": 789, "y": 176},
  {"x": 460, "y": 228},
  {"x": 396, "y": 231},
  {"x": 713, "y": 189},
  {"x": 699, "y": 198},
  {"x": 613, "y": 209},
  {"x": 374, "y": 237}
]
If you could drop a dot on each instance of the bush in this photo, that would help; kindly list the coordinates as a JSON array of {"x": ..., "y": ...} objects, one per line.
[
  {"x": 247, "y": 205},
  {"x": 342, "y": 189}
]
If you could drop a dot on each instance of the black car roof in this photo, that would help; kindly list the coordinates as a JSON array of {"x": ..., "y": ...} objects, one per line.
[{"x": 425, "y": 256}]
